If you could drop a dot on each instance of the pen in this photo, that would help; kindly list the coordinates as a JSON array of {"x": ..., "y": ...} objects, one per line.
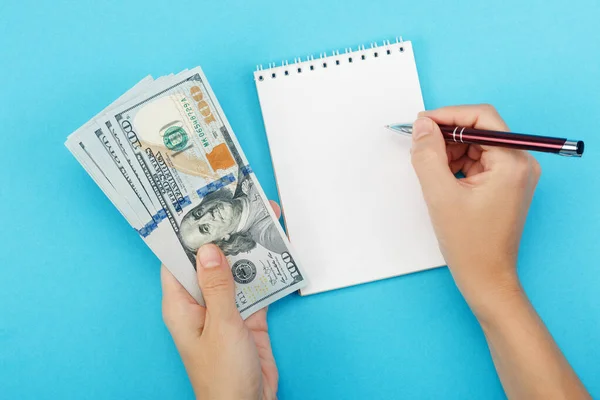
[{"x": 457, "y": 134}]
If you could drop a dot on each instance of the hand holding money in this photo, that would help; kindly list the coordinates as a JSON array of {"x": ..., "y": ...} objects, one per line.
[
  {"x": 167, "y": 158},
  {"x": 225, "y": 357}
]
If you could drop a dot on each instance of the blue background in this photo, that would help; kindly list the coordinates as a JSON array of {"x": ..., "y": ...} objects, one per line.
[{"x": 80, "y": 293}]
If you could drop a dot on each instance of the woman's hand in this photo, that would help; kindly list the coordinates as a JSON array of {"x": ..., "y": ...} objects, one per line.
[
  {"x": 225, "y": 357},
  {"x": 479, "y": 219}
]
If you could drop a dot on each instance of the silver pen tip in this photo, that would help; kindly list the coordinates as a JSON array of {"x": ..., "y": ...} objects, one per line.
[{"x": 405, "y": 129}]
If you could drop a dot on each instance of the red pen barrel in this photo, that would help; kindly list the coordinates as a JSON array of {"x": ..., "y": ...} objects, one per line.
[{"x": 504, "y": 139}]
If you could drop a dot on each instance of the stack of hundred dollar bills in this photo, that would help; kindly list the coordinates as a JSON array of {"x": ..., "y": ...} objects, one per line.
[{"x": 166, "y": 157}]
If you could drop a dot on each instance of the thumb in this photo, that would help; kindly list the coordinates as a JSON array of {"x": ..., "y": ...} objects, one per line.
[
  {"x": 429, "y": 159},
  {"x": 216, "y": 283}
]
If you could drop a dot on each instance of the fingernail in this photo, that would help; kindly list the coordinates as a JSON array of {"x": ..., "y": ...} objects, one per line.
[
  {"x": 209, "y": 256},
  {"x": 421, "y": 114},
  {"x": 422, "y": 127}
]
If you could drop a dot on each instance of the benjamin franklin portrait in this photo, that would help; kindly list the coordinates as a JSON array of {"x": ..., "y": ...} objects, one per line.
[{"x": 236, "y": 222}]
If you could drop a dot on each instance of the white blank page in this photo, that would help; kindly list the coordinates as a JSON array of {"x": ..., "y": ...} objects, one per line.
[{"x": 351, "y": 201}]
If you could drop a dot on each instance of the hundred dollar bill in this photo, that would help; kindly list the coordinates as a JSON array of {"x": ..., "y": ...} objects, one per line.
[
  {"x": 95, "y": 163},
  {"x": 113, "y": 157},
  {"x": 163, "y": 241},
  {"x": 177, "y": 140},
  {"x": 97, "y": 159},
  {"x": 100, "y": 178}
]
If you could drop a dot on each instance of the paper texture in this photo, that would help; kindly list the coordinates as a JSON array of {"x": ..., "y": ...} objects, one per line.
[{"x": 351, "y": 200}]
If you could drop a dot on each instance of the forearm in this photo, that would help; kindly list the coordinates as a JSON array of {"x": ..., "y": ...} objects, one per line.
[{"x": 528, "y": 361}]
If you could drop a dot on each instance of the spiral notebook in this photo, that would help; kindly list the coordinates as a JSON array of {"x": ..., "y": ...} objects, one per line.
[{"x": 351, "y": 202}]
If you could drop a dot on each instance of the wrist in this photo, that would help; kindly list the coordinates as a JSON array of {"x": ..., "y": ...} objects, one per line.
[
  {"x": 490, "y": 290},
  {"x": 498, "y": 304}
]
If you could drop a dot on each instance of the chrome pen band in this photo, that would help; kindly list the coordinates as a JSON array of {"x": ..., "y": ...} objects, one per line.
[
  {"x": 572, "y": 148},
  {"x": 460, "y": 134}
]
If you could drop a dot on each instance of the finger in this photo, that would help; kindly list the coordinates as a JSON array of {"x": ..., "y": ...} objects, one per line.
[
  {"x": 257, "y": 322},
  {"x": 172, "y": 289},
  {"x": 276, "y": 208},
  {"x": 216, "y": 283},
  {"x": 457, "y": 165},
  {"x": 181, "y": 312},
  {"x": 504, "y": 161},
  {"x": 430, "y": 160},
  {"x": 474, "y": 152},
  {"x": 508, "y": 167},
  {"x": 469, "y": 163},
  {"x": 454, "y": 151},
  {"x": 481, "y": 116},
  {"x": 468, "y": 166}
]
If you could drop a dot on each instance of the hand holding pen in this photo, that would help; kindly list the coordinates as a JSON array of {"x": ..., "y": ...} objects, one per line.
[{"x": 478, "y": 221}]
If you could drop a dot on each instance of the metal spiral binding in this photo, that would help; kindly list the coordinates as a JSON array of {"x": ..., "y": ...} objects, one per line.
[{"x": 324, "y": 60}]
